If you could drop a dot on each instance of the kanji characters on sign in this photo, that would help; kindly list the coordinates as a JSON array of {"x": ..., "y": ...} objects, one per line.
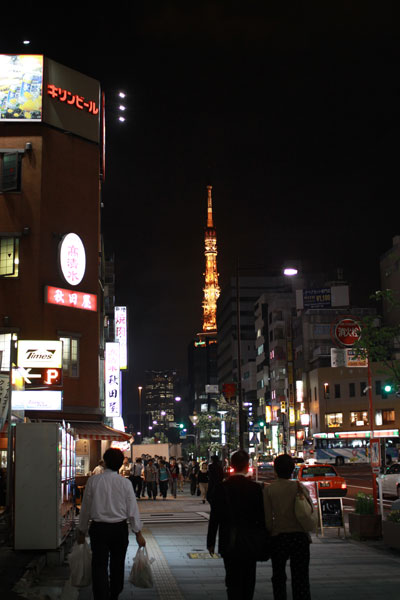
[{"x": 71, "y": 298}]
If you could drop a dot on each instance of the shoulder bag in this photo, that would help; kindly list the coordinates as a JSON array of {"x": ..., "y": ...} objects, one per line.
[{"x": 304, "y": 511}]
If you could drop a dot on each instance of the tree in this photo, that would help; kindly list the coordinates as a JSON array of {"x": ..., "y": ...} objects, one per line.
[{"x": 378, "y": 342}]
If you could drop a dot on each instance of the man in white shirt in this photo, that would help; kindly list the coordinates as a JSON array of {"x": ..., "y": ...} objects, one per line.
[{"x": 108, "y": 502}]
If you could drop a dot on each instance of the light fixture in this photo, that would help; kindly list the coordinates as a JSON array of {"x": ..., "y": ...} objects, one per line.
[
  {"x": 121, "y": 94},
  {"x": 122, "y": 119},
  {"x": 122, "y": 107},
  {"x": 290, "y": 272},
  {"x": 26, "y": 42}
]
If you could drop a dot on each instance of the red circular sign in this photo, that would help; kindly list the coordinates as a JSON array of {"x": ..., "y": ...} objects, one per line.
[{"x": 347, "y": 331}]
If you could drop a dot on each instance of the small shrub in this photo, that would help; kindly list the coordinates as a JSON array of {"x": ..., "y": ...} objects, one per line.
[
  {"x": 364, "y": 504},
  {"x": 394, "y": 516}
]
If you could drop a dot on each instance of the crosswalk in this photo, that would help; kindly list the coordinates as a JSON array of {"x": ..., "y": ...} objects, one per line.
[{"x": 181, "y": 517}]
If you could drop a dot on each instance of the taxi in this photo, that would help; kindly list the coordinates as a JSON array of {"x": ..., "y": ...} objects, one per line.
[{"x": 330, "y": 483}]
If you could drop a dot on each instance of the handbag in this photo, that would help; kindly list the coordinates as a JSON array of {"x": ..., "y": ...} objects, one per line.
[
  {"x": 304, "y": 511},
  {"x": 141, "y": 575},
  {"x": 80, "y": 564}
]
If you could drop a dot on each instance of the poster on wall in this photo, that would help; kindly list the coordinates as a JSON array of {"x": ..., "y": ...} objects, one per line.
[{"x": 21, "y": 83}]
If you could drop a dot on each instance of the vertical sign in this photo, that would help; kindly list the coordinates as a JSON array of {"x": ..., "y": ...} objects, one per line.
[
  {"x": 112, "y": 380},
  {"x": 121, "y": 334},
  {"x": 4, "y": 398}
]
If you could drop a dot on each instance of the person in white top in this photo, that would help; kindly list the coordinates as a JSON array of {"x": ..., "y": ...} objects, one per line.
[{"x": 109, "y": 501}]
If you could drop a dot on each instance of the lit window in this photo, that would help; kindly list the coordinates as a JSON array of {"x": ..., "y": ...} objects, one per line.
[
  {"x": 9, "y": 257},
  {"x": 334, "y": 419},
  {"x": 70, "y": 356},
  {"x": 359, "y": 419}
]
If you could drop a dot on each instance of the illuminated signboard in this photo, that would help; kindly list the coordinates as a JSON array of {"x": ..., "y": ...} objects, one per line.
[
  {"x": 70, "y": 298},
  {"x": 36, "y": 378},
  {"x": 346, "y": 331},
  {"x": 21, "y": 82},
  {"x": 72, "y": 99},
  {"x": 39, "y": 354},
  {"x": 112, "y": 380},
  {"x": 37, "y": 400},
  {"x": 72, "y": 258},
  {"x": 121, "y": 334}
]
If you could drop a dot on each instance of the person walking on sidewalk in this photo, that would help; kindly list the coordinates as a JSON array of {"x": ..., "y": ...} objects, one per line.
[
  {"x": 215, "y": 476},
  {"x": 174, "y": 470},
  {"x": 164, "y": 477},
  {"x": 193, "y": 472},
  {"x": 202, "y": 479},
  {"x": 237, "y": 508},
  {"x": 108, "y": 502},
  {"x": 151, "y": 479},
  {"x": 137, "y": 477},
  {"x": 289, "y": 540}
]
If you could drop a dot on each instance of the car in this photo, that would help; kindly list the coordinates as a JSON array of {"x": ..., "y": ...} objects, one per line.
[
  {"x": 330, "y": 483},
  {"x": 250, "y": 473},
  {"x": 390, "y": 480}
]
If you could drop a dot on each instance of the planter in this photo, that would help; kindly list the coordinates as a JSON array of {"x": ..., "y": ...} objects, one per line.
[
  {"x": 391, "y": 534},
  {"x": 365, "y": 527}
]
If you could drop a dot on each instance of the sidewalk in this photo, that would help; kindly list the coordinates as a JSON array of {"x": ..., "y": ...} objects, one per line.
[{"x": 340, "y": 569}]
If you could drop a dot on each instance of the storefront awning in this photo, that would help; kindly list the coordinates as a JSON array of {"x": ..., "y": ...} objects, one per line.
[{"x": 98, "y": 431}]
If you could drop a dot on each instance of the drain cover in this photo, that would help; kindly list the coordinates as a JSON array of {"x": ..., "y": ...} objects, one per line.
[{"x": 203, "y": 555}]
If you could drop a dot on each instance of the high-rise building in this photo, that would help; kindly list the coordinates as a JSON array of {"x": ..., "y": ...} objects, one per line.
[{"x": 160, "y": 393}]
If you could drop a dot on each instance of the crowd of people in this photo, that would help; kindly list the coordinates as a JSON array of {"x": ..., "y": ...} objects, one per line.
[
  {"x": 156, "y": 476},
  {"x": 241, "y": 511}
]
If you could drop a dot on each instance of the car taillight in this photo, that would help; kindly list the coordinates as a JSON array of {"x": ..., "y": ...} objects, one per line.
[
  {"x": 344, "y": 486},
  {"x": 231, "y": 470},
  {"x": 250, "y": 470}
]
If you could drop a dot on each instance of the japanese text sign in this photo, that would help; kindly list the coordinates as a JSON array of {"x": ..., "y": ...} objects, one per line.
[
  {"x": 70, "y": 298},
  {"x": 39, "y": 354},
  {"x": 121, "y": 334},
  {"x": 72, "y": 258},
  {"x": 112, "y": 380}
]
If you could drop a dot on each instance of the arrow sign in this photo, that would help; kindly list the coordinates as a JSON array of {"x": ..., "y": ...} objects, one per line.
[{"x": 36, "y": 378}]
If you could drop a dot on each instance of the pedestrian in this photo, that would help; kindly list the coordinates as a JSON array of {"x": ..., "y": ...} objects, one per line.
[
  {"x": 194, "y": 470},
  {"x": 236, "y": 510},
  {"x": 108, "y": 502},
  {"x": 289, "y": 540},
  {"x": 99, "y": 468},
  {"x": 164, "y": 477},
  {"x": 181, "y": 474},
  {"x": 137, "y": 477},
  {"x": 173, "y": 469},
  {"x": 125, "y": 469},
  {"x": 151, "y": 479},
  {"x": 202, "y": 480},
  {"x": 215, "y": 476}
]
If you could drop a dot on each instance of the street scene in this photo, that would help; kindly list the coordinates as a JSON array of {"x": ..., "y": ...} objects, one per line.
[{"x": 200, "y": 302}]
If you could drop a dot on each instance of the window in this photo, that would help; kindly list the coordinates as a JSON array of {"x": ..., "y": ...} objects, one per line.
[
  {"x": 10, "y": 171},
  {"x": 388, "y": 416},
  {"x": 70, "y": 355},
  {"x": 334, "y": 419},
  {"x": 337, "y": 390},
  {"x": 378, "y": 388},
  {"x": 363, "y": 388},
  {"x": 326, "y": 391},
  {"x": 9, "y": 256},
  {"x": 359, "y": 418},
  {"x": 352, "y": 390}
]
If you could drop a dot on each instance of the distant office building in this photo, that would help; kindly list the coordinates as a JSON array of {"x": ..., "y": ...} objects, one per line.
[
  {"x": 390, "y": 279},
  {"x": 159, "y": 402}
]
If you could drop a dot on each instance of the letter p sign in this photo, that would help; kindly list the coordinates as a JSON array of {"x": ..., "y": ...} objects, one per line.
[{"x": 52, "y": 376}]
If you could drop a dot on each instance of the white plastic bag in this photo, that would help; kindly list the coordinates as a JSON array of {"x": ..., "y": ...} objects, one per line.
[
  {"x": 141, "y": 575},
  {"x": 80, "y": 562}
]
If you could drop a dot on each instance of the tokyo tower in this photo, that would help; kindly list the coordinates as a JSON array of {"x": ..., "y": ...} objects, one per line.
[{"x": 211, "y": 288}]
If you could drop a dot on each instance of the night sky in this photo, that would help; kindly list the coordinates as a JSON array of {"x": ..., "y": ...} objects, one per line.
[{"x": 290, "y": 110}]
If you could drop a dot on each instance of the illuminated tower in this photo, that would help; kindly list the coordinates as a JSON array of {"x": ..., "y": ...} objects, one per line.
[{"x": 211, "y": 287}]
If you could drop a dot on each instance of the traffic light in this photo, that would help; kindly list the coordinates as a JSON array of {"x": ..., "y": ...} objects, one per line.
[
  {"x": 261, "y": 423},
  {"x": 181, "y": 426},
  {"x": 388, "y": 388}
]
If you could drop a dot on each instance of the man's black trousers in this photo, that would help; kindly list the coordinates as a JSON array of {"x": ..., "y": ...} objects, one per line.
[
  {"x": 109, "y": 543},
  {"x": 240, "y": 577}
]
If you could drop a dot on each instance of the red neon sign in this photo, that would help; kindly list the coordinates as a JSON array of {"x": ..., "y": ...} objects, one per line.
[
  {"x": 72, "y": 99},
  {"x": 70, "y": 298}
]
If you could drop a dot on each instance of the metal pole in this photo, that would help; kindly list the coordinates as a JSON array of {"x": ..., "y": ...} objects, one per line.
[
  {"x": 239, "y": 361},
  {"x": 371, "y": 419}
]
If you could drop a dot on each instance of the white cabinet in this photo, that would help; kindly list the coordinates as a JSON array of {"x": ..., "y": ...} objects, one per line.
[{"x": 44, "y": 473}]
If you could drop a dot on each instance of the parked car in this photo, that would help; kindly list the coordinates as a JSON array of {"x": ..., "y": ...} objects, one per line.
[
  {"x": 390, "y": 480},
  {"x": 329, "y": 482}
]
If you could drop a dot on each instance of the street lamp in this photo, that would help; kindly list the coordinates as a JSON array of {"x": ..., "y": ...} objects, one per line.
[{"x": 140, "y": 406}]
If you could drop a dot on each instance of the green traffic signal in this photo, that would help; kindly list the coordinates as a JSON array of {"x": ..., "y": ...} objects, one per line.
[
  {"x": 181, "y": 425},
  {"x": 388, "y": 388},
  {"x": 261, "y": 423}
]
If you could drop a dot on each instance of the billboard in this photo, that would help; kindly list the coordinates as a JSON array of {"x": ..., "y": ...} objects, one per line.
[
  {"x": 40, "y": 353},
  {"x": 35, "y": 88},
  {"x": 21, "y": 86}
]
